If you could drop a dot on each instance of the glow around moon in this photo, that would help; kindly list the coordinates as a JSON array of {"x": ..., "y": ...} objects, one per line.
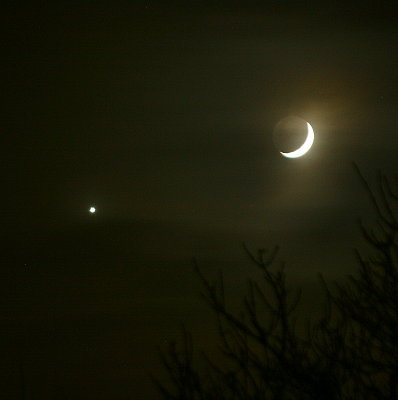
[{"x": 304, "y": 147}]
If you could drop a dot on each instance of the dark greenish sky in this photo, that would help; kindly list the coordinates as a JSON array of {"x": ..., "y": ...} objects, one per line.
[{"x": 162, "y": 117}]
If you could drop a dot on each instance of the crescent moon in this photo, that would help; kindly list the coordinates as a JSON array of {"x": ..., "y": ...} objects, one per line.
[{"x": 304, "y": 147}]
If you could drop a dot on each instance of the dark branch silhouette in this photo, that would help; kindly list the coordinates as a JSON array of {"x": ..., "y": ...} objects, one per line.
[{"x": 351, "y": 352}]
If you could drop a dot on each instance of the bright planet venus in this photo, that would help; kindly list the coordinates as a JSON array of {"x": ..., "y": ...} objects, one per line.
[
  {"x": 92, "y": 210},
  {"x": 293, "y": 137}
]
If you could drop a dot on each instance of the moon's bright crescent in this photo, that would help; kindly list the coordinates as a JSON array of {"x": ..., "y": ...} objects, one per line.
[{"x": 304, "y": 147}]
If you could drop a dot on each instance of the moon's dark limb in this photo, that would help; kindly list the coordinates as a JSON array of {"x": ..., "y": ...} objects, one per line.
[{"x": 289, "y": 134}]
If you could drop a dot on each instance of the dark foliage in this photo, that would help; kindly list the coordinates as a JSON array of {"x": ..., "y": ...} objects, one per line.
[{"x": 350, "y": 353}]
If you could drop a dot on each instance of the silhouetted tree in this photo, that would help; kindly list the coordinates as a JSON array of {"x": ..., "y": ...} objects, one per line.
[
  {"x": 366, "y": 306},
  {"x": 350, "y": 353}
]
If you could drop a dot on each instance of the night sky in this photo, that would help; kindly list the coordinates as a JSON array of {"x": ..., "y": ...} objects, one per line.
[{"x": 162, "y": 116}]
